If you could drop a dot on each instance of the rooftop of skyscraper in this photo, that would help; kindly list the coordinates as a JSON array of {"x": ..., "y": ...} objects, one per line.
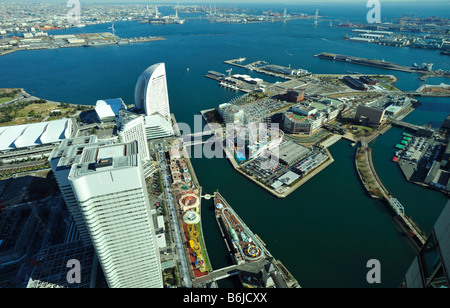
[{"x": 106, "y": 158}]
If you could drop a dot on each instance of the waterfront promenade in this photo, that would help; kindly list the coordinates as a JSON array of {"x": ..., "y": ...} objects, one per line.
[{"x": 376, "y": 189}]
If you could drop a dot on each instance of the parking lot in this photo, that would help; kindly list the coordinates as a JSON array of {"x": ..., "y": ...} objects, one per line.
[
  {"x": 265, "y": 170},
  {"x": 416, "y": 148},
  {"x": 419, "y": 157}
]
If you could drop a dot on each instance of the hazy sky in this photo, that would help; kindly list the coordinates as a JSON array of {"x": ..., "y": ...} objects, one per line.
[{"x": 233, "y": 1}]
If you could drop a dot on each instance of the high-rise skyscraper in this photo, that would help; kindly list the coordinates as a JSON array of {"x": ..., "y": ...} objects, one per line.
[
  {"x": 61, "y": 160},
  {"x": 108, "y": 183},
  {"x": 151, "y": 95},
  {"x": 151, "y": 98},
  {"x": 431, "y": 267}
]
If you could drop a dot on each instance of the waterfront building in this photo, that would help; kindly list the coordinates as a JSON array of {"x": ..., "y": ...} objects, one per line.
[
  {"x": 244, "y": 110},
  {"x": 294, "y": 96},
  {"x": 354, "y": 83},
  {"x": 294, "y": 123},
  {"x": 289, "y": 152},
  {"x": 307, "y": 117},
  {"x": 151, "y": 95},
  {"x": 151, "y": 98},
  {"x": 61, "y": 160},
  {"x": 108, "y": 109},
  {"x": 34, "y": 135},
  {"x": 431, "y": 267},
  {"x": 397, "y": 105},
  {"x": 156, "y": 127},
  {"x": 131, "y": 126},
  {"x": 231, "y": 114},
  {"x": 367, "y": 80},
  {"x": 109, "y": 185},
  {"x": 304, "y": 110},
  {"x": 369, "y": 115}
]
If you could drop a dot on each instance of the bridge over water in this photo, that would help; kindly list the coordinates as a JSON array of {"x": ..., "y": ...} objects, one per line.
[
  {"x": 232, "y": 270},
  {"x": 415, "y": 128}
]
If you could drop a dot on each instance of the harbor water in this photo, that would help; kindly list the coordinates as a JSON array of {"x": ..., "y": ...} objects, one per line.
[{"x": 327, "y": 230}]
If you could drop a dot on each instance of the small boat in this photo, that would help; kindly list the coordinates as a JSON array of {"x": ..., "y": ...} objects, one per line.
[{"x": 353, "y": 144}]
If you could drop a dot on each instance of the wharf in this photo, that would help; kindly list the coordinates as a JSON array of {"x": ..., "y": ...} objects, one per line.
[
  {"x": 260, "y": 67},
  {"x": 254, "y": 264},
  {"x": 78, "y": 40},
  {"x": 379, "y": 64},
  {"x": 236, "y": 62}
]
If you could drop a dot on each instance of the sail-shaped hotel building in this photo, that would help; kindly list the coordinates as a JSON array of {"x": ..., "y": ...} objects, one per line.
[{"x": 151, "y": 98}]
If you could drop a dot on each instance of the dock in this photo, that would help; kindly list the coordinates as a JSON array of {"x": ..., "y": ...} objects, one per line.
[
  {"x": 77, "y": 40},
  {"x": 379, "y": 64},
  {"x": 254, "y": 264}
]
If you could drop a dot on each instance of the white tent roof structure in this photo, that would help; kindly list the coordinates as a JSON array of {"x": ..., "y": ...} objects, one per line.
[{"x": 29, "y": 135}]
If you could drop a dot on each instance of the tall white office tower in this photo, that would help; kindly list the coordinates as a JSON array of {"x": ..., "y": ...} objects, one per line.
[
  {"x": 151, "y": 95},
  {"x": 61, "y": 160},
  {"x": 109, "y": 186}
]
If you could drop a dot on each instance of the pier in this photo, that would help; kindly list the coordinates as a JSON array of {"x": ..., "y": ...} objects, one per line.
[
  {"x": 252, "y": 259},
  {"x": 380, "y": 64},
  {"x": 376, "y": 190}
]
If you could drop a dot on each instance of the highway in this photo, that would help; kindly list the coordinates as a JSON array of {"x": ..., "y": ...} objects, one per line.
[{"x": 179, "y": 243}]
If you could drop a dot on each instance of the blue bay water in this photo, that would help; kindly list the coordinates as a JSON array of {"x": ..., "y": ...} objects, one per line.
[{"x": 327, "y": 230}]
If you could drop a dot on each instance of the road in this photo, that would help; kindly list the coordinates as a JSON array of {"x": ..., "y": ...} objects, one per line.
[{"x": 179, "y": 243}]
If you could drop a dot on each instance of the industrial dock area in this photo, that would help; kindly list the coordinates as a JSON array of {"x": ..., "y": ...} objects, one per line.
[{"x": 41, "y": 40}]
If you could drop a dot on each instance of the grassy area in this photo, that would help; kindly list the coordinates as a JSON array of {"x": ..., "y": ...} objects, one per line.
[
  {"x": 203, "y": 247},
  {"x": 359, "y": 130},
  {"x": 34, "y": 111},
  {"x": 388, "y": 87},
  {"x": 367, "y": 176},
  {"x": 5, "y": 99}
]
